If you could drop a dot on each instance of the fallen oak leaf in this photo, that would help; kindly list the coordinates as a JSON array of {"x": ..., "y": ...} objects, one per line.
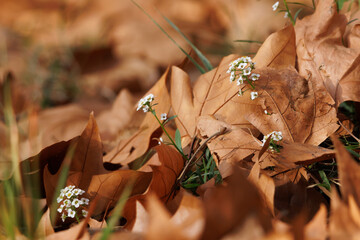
[
  {"x": 322, "y": 54},
  {"x": 292, "y": 107}
]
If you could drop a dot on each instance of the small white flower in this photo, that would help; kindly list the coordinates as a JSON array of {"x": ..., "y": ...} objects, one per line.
[
  {"x": 67, "y": 202},
  {"x": 247, "y": 71},
  {"x": 240, "y": 80},
  {"x": 144, "y": 102},
  {"x": 247, "y": 59},
  {"x": 163, "y": 116},
  {"x": 242, "y": 65},
  {"x": 60, "y": 209},
  {"x": 81, "y": 192},
  {"x": 266, "y": 112},
  {"x": 59, "y": 199},
  {"x": 240, "y": 93},
  {"x": 275, "y": 6},
  {"x": 85, "y": 201},
  {"x": 286, "y": 15},
  {"x": 71, "y": 213},
  {"x": 254, "y": 95},
  {"x": 84, "y": 213},
  {"x": 63, "y": 217},
  {"x": 76, "y": 191},
  {"x": 254, "y": 76},
  {"x": 275, "y": 136},
  {"x": 76, "y": 203},
  {"x": 69, "y": 194}
]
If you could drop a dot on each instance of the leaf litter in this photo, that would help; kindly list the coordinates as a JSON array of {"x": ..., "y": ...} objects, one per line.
[{"x": 270, "y": 188}]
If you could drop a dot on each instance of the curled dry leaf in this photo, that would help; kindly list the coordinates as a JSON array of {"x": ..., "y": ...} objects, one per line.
[
  {"x": 165, "y": 174},
  {"x": 322, "y": 55},
  {"x": 134, "y": 147}
]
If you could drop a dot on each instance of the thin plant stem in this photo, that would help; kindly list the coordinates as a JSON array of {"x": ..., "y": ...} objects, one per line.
[
  {"x": 290, "y": 16},
  {"x": 167, "y": 134}
]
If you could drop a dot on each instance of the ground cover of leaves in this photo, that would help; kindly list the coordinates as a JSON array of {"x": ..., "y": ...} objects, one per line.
[{"x": 307, "y": 71}]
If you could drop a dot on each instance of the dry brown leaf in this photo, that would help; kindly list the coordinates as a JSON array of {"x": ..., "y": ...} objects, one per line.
[
  {"x": 232, "y": 146},
  {"x": 349, "y": 172},
  {"x": 353, "y": 38},
  {"x": 322, "y": 55},
  {"x": 342, "y": 224},
  {"x": 293, "y": 199},
  {"x": 293, "y": 154},
  {"x": 316, "y": 229},
  {"x": 71, "y": 233},
  {"x": 86, "y": 171},
  {"x": 212, "y": 94},
  {"x": 265, "y": 184},
  {"x": 160, "y": 224},
  {"x": 165, "y": 175},
  {"x": 118, "y": 117},
  {"x": 229, "y": 206},
  {"x": 132, "y": 148},
  {"x": 278, "y": 50},
  {"x": 293, "y": 108}
]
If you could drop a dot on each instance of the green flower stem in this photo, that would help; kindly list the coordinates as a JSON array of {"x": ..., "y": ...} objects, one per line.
[
  {"x": 167, "y": 134},
  {"x": 288, "y": 11}
]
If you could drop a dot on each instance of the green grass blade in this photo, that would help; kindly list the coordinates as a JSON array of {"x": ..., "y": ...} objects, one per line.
[
  {"x": 178, "y": 139},
  {"x": 117, "y": 211},
  {"x": 203, "y": 59},
  {"x": 64, "y": 171},
  {"x": 297, "y": 13},
  {"x": 248, "y": 41},
  {"x": 201, "y": 69}
]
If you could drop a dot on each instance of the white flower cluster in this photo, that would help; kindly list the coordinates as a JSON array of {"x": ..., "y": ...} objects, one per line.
[
  {"x": 144, "y": 103},
  {"x": 70, "y": 204},
  {"x": 240, "y": 70},
  {"x": 275, "y": 138}
]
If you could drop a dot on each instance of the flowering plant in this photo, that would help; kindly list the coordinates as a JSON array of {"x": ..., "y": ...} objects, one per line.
[
  {"x": 70, "y": 205},
  {"x": 241, "y": 71},
  {"x": 276, "y": 137}
]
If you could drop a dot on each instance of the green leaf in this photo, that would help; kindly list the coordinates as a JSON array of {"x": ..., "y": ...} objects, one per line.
[
  {"x": 325, "y": 182},
  {"x": 297, "y": 13},
  {"x": 178, "y": 139}
]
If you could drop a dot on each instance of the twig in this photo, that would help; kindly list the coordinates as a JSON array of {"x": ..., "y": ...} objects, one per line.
[{"x": 188, "y": 164}]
